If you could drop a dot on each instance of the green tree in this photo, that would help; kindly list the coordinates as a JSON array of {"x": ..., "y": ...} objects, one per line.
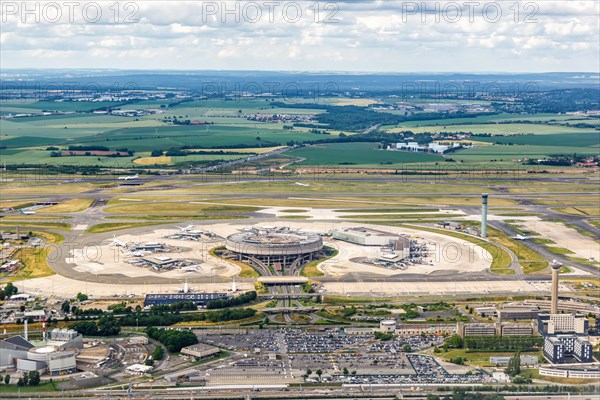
[
  {"x": 34, "y": 378},
  {"x": 158, "y": 353},
  {"x": 25, "y": 379},
  {"x": 7, "y": 379},
  {"x": 345, "y": 371},
  {"x": 20, "y": 382},
  {"x": 66, "y": 306},
  {"x": 514, "y": 365},
  {"x": 81, "y": 297},
  {"x": 455, "y": 342},
  {"x": 319, "y": 372}
]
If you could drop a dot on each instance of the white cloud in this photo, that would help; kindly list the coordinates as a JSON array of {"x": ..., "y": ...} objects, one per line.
[{"x": 371, "y": 35}]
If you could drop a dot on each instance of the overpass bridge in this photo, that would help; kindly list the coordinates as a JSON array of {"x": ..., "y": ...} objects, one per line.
[
  {"x": 300, "y": 310},
  {"x": 287, "y": 296}
]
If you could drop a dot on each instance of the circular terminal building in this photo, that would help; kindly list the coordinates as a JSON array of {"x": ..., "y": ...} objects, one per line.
[{"x": 274, "y": 249}]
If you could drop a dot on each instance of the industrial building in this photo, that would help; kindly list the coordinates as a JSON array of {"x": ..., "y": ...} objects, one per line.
[
  {"x": 55, "y": 357},
  {"x": 200, "y": 299},
  {"x": 48, "y": 358}
]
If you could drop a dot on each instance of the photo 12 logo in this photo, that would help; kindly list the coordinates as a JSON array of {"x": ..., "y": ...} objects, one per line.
[
  {"x": 457, "y": 11},
  {"x": 269, "y": 11},
  {"x": 60, "y": 12}
]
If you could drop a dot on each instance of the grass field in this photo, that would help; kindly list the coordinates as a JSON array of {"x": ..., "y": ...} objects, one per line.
[
  {"x": 358, "y": 155},
  {"x": 116, "y": 226},
  {"x": 498, "y": 129},
  {"x": 508, "y": 153},
  {"x": 247, "y": 270},
  {"x": 166, "y": 209},
  {"x": 480, "y": 358},
  {"x": 42, "y": 387},
  {"x": 35, "y": 260},
  {"x": 493, "y": 118},
  {"x": 40, "y": 187},
  {"x": 310, "y": 270},
  {"x": 68, "y": 206},
  {"x": 531, "y": 261},
  {"x": 565, "y": 139},
  {"x": 147, "y": 139},
  {"x": 25, "y": 224}
]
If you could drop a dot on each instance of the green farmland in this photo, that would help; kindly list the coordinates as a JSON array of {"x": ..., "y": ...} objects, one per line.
[
  {"x": 358, "y": 155},
  {"x": 567, "y": 140},
  {"x": 507, "y": 153},
  {"x": 498, "y": 129}
]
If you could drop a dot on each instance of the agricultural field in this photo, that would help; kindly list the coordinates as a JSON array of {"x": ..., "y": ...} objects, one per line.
[
  {"x": 507, "y": 153},
  {"x": 498, "y": 129},
  {"x": 493, "y": 118},
  {"x": 358, "y": 155},
  {"x": 567, "y": 140},
  {"x": 25, "y": 140}
]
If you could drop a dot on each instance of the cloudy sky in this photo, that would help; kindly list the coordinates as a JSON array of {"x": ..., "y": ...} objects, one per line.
[{"x": 358, "y": 35}]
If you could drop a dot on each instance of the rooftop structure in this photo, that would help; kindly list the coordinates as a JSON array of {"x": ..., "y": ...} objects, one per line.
[
  {"x": 366, "y": 236},
  {"x": 280, "y": 248},
  {"x": 198, "y": 298}
]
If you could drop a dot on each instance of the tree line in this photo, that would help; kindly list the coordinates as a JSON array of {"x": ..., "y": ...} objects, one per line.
[
  {"x": 174, "y": 340},
  {"x": 232, "y": 302}
]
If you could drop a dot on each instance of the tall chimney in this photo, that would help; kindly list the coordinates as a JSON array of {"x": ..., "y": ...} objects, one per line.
[
  {"x": 25, "y": 332},
  {"x": 484, "y": 206},
  {"x": 186, "y": 288},
  {"x": 554, "y": 301},
  {"x": 44, "y": 329}
]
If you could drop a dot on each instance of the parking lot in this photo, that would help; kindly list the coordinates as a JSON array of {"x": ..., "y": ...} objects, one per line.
[{"x": 285, "y": 355}]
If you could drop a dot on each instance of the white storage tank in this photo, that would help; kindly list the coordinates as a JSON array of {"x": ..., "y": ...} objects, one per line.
[{"x": 387, "y": 326}]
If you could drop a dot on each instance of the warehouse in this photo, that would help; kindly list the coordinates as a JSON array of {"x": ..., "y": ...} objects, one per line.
[{"x": 200, "y": 299}]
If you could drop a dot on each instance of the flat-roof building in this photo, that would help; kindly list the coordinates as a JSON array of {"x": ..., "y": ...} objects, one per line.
[
  {"x": 365, "y": 236},
  {"x": 551, "y": 324},
  {"x": 559, "y": 349},
  {"x": 200, "y": 299},
  {"x": 200, "y": 350}
]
